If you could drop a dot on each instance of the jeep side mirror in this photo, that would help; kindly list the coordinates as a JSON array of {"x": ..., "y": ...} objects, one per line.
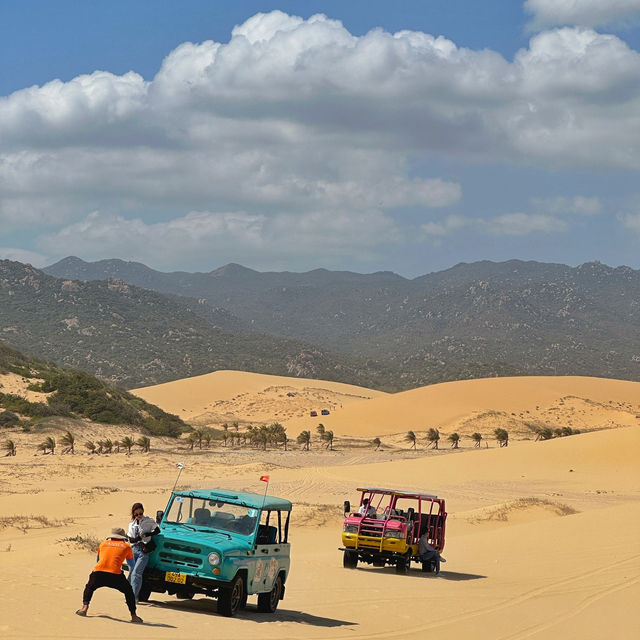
[
  {"x": 159, "y": 515},
  {"x": 347, "y": 506}
]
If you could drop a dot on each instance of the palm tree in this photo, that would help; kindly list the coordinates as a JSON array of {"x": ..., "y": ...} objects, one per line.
[
  {"x": 433, "y": 436},
  {"x": 454, "y": 439},
  {"x": 502, "y": 436},
  {"x": 320, "y": 431},
  {"x": 278, "y": 434},
  {"x": 144, "y": 442},
  {"x": 262, "y": 436},
  {"x": 69, "y": 440},
  {"x": 48, "y": 443},
  {"x": 377, "y": 443},
  {"x": 327, "y": 436},
  {"x": 127, "y": 442},
  {"x": 107, "y": 445},
  {"x": 411, "y": 437},
  {"x": 304, "y": 438},
  {"x": 10, "y": 447},
  {"x": 477, "y": 438},
  {"x": 225, "y": 433},
  {"x": 91, "y": 446},
  {"x": 198, "y": 434},
  {"x": 207, "y": 438}
]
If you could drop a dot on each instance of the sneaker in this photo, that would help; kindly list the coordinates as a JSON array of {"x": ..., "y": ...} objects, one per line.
[
  {"x": 82, "y": 613},
  {"x": 442, "y": 559},
  {"x": 136, "y": 619}
]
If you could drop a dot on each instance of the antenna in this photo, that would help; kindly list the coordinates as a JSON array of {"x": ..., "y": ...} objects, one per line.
[{"x": 180, "y": 466}]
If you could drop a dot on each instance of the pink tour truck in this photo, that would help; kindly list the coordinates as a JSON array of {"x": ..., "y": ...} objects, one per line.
[{"x": 386, "y": 526}]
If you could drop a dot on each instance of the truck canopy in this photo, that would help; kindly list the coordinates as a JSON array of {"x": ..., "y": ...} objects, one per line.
[{"x": 255, "y": 500}]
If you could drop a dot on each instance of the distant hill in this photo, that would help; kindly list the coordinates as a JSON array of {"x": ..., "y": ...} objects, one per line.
[
  {"x": 134, "y": 337},
  {"x": 76, "y": 394},
  {"x": 484, "y": 318}
]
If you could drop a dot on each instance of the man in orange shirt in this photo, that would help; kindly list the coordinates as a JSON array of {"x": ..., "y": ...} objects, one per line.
[{"x": 108, "y": 572}]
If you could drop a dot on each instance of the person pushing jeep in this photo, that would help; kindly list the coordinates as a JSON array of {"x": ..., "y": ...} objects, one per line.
[{"x": 108, "y": 572}]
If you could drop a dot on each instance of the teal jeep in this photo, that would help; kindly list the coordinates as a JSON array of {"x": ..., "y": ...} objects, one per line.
[{"x": 223, "y": 544}]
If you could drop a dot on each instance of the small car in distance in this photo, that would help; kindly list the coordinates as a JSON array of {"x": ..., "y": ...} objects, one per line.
[
  {"x": 386, "y": 530},
  {"x": 224, "y": 544},
  {"x": 313, "y": 414},
  {"x": 325, "y": 412}
]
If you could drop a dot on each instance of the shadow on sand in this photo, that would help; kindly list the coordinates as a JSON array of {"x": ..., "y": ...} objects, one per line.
[
  {"x": 250, "y": 613},
  {"x": 454, "y": 576},
  {"x": 144, "y": 624}
]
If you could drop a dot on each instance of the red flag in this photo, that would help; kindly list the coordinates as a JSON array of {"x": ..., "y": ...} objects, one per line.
[{"x": 264, "y": 478}]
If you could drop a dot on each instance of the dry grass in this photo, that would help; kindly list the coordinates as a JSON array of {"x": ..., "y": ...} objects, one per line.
[
  {"x": 500, "y": 513},
  {"x": 94, "y": 492},
  {"x": 86, "y": 541},
  {"x": 24, "y": 523}
]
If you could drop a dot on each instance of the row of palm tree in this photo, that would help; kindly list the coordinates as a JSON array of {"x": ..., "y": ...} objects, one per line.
[
  {"x": 115, "y": 446},
  {"x": 433, "y": 438},
  {"x": 261, "y": 436},
  {"x": 68, "y": 441}
]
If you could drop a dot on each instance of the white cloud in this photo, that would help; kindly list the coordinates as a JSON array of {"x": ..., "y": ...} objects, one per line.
[
  {"x": 445, "y": 227},
  {"x": 521, "y": 224},
  {"x": 301, "y": 125},
  {"x": 223, "y": 237},
  {"x": 562, "y": 205},
  {"x": 588, "y": 13},
  {"x": 22, "y": 255},
  {"x": 630, "y": 221}
]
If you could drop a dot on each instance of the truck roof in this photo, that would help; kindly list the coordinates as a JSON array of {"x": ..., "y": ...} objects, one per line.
[
  {"x": 398, "y": 492},
  {"x": 256, "y": 500}
]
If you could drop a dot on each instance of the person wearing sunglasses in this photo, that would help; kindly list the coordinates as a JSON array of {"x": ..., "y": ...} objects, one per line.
[{"x": 141, "y": 530}]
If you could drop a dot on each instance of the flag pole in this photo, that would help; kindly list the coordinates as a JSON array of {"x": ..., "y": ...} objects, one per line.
[{"x": 264, "y": 497}]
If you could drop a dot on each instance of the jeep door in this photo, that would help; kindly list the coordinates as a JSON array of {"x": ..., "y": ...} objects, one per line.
[{"x": 271, "y": 551}]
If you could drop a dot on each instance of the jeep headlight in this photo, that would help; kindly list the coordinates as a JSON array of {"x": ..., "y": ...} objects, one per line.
[
  {"x": 214, "y": 559},
  {"x": 394, "y": 533},
  {"x": 350, "y": 528}
]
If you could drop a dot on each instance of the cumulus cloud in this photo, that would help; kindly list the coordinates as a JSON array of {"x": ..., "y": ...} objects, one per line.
[
  {"x": 561, "y": 205},
  {"x": 630, "y": 221},
  {"x": 445, "y": 227},
  {"x": 224, "y": 237},
  {"x": 22, "y": 255},
  {"x": 296, "y": 124},
  {"x": 588, "y": 13},
  {"x": 522, "y": 224}
]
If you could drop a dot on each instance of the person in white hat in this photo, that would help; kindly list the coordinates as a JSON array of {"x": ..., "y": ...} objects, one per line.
[{"x": 108, "y": 572}]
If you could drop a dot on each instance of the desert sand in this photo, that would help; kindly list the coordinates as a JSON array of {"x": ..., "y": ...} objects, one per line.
[{"x": 542, "y": 538}]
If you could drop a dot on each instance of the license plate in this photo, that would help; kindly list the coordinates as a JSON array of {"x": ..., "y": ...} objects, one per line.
[{"x": 172, "y": 576}]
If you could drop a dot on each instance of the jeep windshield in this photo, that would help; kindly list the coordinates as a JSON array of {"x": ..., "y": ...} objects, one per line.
[{"x": 213, "y": 515}]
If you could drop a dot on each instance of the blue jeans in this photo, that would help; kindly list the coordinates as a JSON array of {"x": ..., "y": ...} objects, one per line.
[
  {"x": 140, "y": 560},
  {"x": 429, "y": 556}
]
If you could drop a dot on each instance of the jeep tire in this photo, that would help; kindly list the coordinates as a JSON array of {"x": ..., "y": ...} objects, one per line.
[
  {"x": 145, "y": 591},
  {"x": 268, "y": 602},
  {"x": 230, "y": 598},
  {"x": 350, "y": 559}
]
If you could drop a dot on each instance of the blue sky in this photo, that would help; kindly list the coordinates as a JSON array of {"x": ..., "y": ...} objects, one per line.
[{"x": 376, "y": 136}]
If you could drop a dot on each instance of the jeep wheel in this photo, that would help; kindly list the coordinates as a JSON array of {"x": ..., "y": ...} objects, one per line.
[
  {"x": 268, "y": 602},
  {"x": 145, "y": 592},
  {"x": 402, "y": 565},
  {"x": 230, "y": 598},
  {"x": 350, "y": 559}
]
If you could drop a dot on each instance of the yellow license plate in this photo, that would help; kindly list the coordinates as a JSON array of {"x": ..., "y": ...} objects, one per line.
[{"x": 172, "y": 576}]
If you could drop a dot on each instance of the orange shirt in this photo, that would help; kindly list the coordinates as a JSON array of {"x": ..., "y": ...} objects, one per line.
[{"x": 111, "y": 555}]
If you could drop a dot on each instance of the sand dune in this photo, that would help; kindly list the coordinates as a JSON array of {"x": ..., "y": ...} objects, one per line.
[
  {"x": 517, "y": 404},
  {"x": 542, "y": 537}
]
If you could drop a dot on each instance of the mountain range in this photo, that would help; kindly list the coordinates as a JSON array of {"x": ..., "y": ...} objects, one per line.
[
  {"x": 134, "y": 326},
  {"x": 483, "y": 318}
]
